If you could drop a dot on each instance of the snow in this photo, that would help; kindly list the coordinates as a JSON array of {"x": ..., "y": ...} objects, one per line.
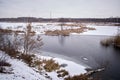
[
  {"x": 84, "y": 58},
  {"x": 100, "y": 30},
  {"x": 40, "y": 28},
  {"x": 72, "y": 67},
  {"x": 23, "y": 72}
]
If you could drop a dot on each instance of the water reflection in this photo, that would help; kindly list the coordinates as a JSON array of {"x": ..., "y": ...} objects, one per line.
[{"x": 61, "y": 40}]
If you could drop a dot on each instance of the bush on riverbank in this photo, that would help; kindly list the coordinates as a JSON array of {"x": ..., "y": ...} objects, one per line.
[
  {"x": 4, "y": 63},
  {"x": 115, "y": 41},
  {"x": 51, "y": 65},
  {"x": 106, "y": 42},
  {"x": 62, "y": 73},
  {"x": 67, "y": 31},
  {"x": 78, "y": 77},
  {"x": 57, "y": 32}
]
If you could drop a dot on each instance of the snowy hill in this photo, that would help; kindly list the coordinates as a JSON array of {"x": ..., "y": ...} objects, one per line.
[{"x": 21, "y": 71}]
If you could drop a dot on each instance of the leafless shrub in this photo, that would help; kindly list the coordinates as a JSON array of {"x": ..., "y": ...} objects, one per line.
[
  {"x": 3, "y": 58},
  {"x": 3, "y": 62},
  {"x": 106, "y": 42},
  {"x": 115, "y": 41},
  {"x": 8, "y": 46},
  {"x": 90, "y": 28},
  {"x": 62, "y": 73},
  {"x": 27, "y": 58}
]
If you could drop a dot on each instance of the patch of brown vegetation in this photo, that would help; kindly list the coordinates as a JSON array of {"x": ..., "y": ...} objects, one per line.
[
  {"x": 73, "y": 25},
  {"x": 43, "y": 64},
  {"x": 57, "y": 32},
  {"x": 117, "y": 24},
  {"x": 18, "y": 31},
  {"x": 62, "y": 73},
  {"x": 90, "y": 28},
  {"x": 50, "y": 65},
  {"x": 115, "y": 41},
  {"x": 5, "y": 31},
  {"x": 78, "y": 77},
  {"x": 67, "y": 31},
  {"x": 81, "y": 28},
  {"x": 64, "y": 32},
  {"x": 27, "y": 58},
  {"x": 106, "y": 42},
  {"x": 8, "y": 31}
]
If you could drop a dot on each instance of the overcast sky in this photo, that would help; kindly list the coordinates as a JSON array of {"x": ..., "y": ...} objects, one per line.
[{"x": 60, "y": 8}]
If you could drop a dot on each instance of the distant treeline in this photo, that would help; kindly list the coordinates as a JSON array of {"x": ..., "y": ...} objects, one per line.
[{"x": 34, "y": 19}]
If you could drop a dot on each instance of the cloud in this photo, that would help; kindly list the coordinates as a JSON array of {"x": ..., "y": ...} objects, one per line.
[{"x": 60, "y": 8}]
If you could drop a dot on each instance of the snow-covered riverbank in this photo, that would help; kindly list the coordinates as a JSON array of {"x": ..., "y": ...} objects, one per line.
[
  {"x": 21, "y": 70},
  {"x": 40, "y": 28}
]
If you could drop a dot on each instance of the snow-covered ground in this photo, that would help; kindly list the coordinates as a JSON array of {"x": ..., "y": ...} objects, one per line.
[
  {"x": 23, "y": 72},
  {"x": 20, "y": 71},
  {"x": 102, "y": 30},
  {"x": 72, "y": 67},
  {"x": 40, "y": 28}
]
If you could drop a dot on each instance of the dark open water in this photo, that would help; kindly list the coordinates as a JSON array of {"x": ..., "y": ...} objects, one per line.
[{"x": 82, "y": 47}]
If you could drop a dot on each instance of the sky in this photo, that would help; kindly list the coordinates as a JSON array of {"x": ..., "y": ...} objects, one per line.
[{"x": 60, "y": 8}]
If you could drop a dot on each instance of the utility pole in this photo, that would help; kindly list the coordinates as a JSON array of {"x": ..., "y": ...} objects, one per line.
[
  {"x": 50, "y": 15},
  {"x": 118, "y": 26},
  {"x": 118, "y": 32}
]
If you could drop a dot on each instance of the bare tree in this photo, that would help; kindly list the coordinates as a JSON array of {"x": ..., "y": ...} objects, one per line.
[
  {"x": 62, "y": 21},
  {"x": 30, "y": 41}
]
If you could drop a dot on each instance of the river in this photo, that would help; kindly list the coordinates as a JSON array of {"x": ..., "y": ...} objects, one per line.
[{"x": 86, "y": 49}]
